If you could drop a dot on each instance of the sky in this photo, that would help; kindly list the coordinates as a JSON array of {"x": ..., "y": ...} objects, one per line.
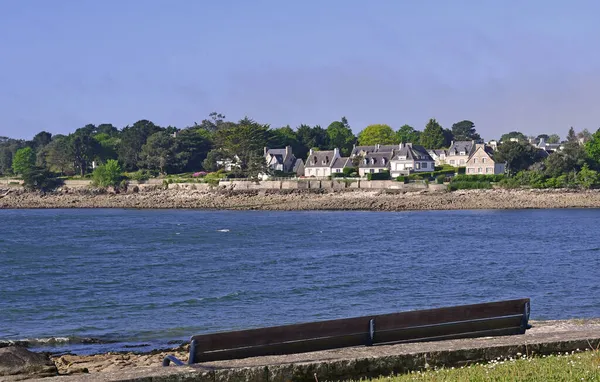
[{"x": 525, "y": 65}]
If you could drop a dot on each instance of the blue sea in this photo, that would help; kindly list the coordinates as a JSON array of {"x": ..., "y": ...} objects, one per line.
[{"x": 92, "y": 280}]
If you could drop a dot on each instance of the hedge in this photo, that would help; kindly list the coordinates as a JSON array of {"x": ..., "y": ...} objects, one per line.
[
  {"x": 478, "y": 178},
  {"x": 402, "y": 179},
  {"x": 385, "y": 175}
]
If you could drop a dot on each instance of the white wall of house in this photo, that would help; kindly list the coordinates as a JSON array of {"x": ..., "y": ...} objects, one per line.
[
  {"x": 317, "y": 171},
  {"x": 399, "y": 167},
  {"x": 363, "y": 171}
]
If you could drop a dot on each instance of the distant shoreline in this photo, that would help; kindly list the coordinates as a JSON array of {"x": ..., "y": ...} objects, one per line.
[{"x": 307, "y": 200}]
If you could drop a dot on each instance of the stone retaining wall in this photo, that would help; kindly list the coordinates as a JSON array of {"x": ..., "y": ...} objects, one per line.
[{"x": 326, "y": 184}]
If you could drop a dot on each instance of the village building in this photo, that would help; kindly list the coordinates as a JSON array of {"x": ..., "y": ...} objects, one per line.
[
  {"x": 481, "y": 162},
  {"x": 410, "y": 159}
]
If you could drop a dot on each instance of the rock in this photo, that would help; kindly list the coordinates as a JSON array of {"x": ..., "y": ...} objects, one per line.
[{"x": 16, "y": 360}]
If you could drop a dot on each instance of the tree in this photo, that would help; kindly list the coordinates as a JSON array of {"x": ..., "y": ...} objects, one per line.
[
  {"x": 286, "y": 136},
  {"x": 465, "y": 131},
  {"x": 571, "y": 136},
  {"x": 377, "y": 134},
  {"x": 57, "y": 155},
  {"x": 40, "y": 179},
  {"x": 433, "y": 135},
  {"x": 341, "y": 136},
  {"x": 570, "y": 159},
  {"x": 107, "y": 175},
  {"x": 41, "y": 139},
  {"x": 8, "y": 149},
  {"x": 407, "y": 134},
  {"x": 132, "y": 140},
  {"x": 312, "y": 138},
  {"x": 83, "y": 149},
  {"x": 194, "y": 145},
  {"x": 584, "y": 136},
  {"x": 448, "y": 137},
  {"x": 553, "y": 138},
  {"x": 592, "y": 147},
  {"x": 213, "y": 156},
  {"x": 23, "y": 161},
  {"x": 545, "y": 137},
  {"x": 520, "y": 137},
  {"x": 587, "y": 178},
  {"x": 244, "y": 140},
  {"x": 517, "y": 155},
  {"x": 161, "y": 152}
]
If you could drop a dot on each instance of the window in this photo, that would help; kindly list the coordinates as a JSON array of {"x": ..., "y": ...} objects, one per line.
[
  {"x": 489, "y": 170},
  {"x": 479, "y": 170},
  {"x": 462, "y": 161},
  {"x": 452, "y": 162},
  {"x": 474, "y": 160},
  {"x": 482, "y": 160},
  {"x": 365, "y": 161},
  {"x": 471, "y": 170},
  {"x": 371, "y": 171},
  {"x": 424, "y": 165},
  {"x": 463, "y": 153},
  {"x": 380, "y": 170},
  {"x": 417, "y": 165}
]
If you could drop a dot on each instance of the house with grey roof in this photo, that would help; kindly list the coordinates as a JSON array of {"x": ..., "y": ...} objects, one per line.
[
  {"x": 318, "y": 164},
  {"x": 410, "y": 159},
  {"x": 459, "y": 152},
  {"x": 340, "y": 163},
  {"x": 280, "y": 159},
  {"x": 439, "y": 156},
  {"x": 482, "y": 162},
  {"x": 374, "y": 163},
  {"x": 364, "y": 150}
]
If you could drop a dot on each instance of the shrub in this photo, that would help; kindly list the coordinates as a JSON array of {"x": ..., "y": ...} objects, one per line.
[
  {"x": 40, "y": 179},
  {"x": 23, "y": 161},
  {"x": 440, "y": 179},
  {"x": 140, "y": 176},
  {"x": 338, "y": 175},
  {"x": 461, "y": 170},
  {"x": 478, "y": 178},
  {"x": 385, "y": 175},
  {"x": 402, "y": 179},
  {"x": 350, "y": 172},
  {"x": 199, "y": 174},
  {"x": 108, "y": 174}
]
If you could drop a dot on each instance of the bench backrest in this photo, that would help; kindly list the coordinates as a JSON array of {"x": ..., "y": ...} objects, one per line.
[{"x": 488, "y": 319}]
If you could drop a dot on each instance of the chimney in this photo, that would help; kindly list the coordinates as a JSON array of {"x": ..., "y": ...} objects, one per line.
[
  {"x": 265, "y": 154},
  {"x": 451, "y": 143},
  {"x": 310, "y": 152},
  {"x": 336, "y": 152},
  {"x": 288, "y": 151}
]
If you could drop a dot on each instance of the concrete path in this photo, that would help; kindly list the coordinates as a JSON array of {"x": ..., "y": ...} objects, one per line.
[{"x": 546, "y": 337}]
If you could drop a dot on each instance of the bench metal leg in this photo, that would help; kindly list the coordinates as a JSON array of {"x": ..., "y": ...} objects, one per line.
[
  {"x": 176, "y": 361},
  {"x": 525, "y": 320}
]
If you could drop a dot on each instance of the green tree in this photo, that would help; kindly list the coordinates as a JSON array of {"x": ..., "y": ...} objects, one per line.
[
  {"x": 312, "y": 138},
  {"x": 8, "y": 149},
  {"x": 407, "y": 134},
  {"x": 83, "y": 149},
  {"x": 341, "y": 136},
  {"x": 592, "y": 147},
  {"x": 40, "y": 179},
  {"x": 517, "y": 155},
  {"x": 433, "y": 135},
  {"x": 377, "y": 134},
  {"x": 213, "y": 156},
  {"x": 161, "y": 153},
  {"x": 23, "y": 161},
  {"x": 246, "y": 139},
  {"x": 513, "y": 134},
  {"x": 132, "y": 140},
  {"x": 107, "y": 175},
  {"x": 465, "y": 131},
  {"x": 448, "y": 137},
  {"x": 57, "y": 155},
  {"x": 553, "y": 138},
  {"x": 286, "y": 136},
  {"x": 571, "y": 136},
  {"x": 569, "y": 160},
  {"x": 545, "y": 137},
  {"x": 193, "y": 147},
  {"x": 584, "y": 136},
  {"x": 41, "y": 139},
  {"x": 587, "y": 178}
]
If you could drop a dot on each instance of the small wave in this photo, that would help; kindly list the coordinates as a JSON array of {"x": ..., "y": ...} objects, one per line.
[
  {"x": 222, "y": 230},
  {"x": 52, "y": 341}
]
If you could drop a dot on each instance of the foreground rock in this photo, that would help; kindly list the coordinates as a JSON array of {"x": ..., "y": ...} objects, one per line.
[
  {"x": 20, "y": 363},
  {"x": 390, "y": 200}
]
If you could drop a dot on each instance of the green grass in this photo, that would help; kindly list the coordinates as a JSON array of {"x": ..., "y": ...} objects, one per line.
[{"x": 575, "y": 366}]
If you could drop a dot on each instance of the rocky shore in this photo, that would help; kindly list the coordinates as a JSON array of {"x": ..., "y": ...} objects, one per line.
[{"x": 296, "y": 200}]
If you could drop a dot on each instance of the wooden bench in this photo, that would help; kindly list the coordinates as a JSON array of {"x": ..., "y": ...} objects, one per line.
[{"x": 478, "y": 320}]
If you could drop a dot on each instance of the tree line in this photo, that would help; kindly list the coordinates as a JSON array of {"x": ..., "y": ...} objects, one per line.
[{"x": 145, "y": 146}]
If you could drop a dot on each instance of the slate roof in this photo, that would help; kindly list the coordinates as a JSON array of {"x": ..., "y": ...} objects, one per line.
[
  {"x": 342, "y": 162},
  {"x": 319, "y": 159},
  {"x": 487, "y": 149},
  {"x": 367, "y": 149},
  {"x": 377, "y": 160},
  {"x": 458, "y": 146},
  {"x": 413, "y": 152},
  {"x": 297, "y": 164},
  {"x": 276, "y": 152},
  {"x": 387, "y": 148}
]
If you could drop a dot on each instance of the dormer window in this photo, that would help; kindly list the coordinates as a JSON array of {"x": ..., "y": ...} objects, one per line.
[
  {"x": 382, "y": 160},
  {"x": 463, "y": 153},
  {"x": 373, "y": 160},
  {"x": 315, "y": 159},
  {"x": 365, "y": 161}
]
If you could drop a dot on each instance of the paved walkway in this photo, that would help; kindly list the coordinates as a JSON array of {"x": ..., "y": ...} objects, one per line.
[{"x": 546, "y": 337}]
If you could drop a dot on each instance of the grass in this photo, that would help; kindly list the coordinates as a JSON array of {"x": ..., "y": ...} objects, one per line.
[{"x": 574, "y": 366}]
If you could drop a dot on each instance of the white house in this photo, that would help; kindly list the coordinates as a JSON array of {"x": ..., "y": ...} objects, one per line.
[
  {"x": 280, "y": 159},
  {"x": 409, "y": 159},
  {"x": 459, "y": 152},
  {"x": 318, "y": 163},
  {"x": 374, "y": 162}
]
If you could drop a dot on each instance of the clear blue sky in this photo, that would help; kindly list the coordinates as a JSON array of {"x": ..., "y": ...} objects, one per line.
[{"x": 528, "y": 65}]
